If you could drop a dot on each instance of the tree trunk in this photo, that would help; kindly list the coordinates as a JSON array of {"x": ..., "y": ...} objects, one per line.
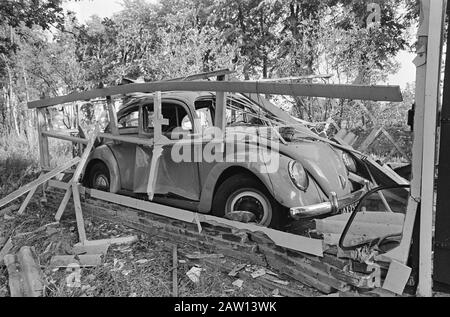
[{"x": 10, "y": 103}]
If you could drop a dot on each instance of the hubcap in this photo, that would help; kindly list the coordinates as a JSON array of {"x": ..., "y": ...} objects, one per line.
[
  {"x": 101, "y": 182},
  {"x": 252, "y": 202}
]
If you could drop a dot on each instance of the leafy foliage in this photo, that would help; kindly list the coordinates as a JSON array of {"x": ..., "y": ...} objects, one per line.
[{"x": 176, "y": 38}]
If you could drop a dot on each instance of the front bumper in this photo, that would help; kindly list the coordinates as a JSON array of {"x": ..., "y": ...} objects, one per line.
[{"x": 333, "y": 206}]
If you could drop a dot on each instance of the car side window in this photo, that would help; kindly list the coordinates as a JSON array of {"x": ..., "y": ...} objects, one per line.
[
  {"x": 130, "y": 120},
  {"x": 175, "y": 114}
]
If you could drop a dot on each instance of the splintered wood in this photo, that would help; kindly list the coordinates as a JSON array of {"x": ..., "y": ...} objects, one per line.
[{"x": 25, "y": 275}]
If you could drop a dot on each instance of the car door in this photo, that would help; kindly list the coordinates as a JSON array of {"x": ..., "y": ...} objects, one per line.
[
  {"x": 180, "y": 179},
  {"x": 125, "y": 153}
]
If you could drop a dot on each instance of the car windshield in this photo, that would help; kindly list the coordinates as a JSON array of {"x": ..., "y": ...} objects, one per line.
[{"x": 241, "y": 111}]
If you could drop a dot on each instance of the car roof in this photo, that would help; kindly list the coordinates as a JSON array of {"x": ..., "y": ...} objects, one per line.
[{"x": 188, "y": 97}]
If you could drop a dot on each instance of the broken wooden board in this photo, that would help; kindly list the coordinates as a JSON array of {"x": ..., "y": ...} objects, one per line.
[
  {"x": 25, "y": 275},
  {"x": 5, "y": 250},
  {"x": 109, "y": 242},
  {"x": 86, "y": 260},
  {"x": 397, "y": 278},
  {"x": 102, "y": 249},
  {"x": 41, "y": 180},
  {"x": 282, "y": 239},
  {"x": 368, "y": 225}
]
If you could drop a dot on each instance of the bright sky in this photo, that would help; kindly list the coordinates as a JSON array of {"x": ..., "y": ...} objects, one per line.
[
  {"x": 106, "y": 8},
  {"x": 86, "y": 8}
]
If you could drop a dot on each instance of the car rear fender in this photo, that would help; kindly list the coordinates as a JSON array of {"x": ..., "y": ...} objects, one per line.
[{"x": 104, "y": 154}]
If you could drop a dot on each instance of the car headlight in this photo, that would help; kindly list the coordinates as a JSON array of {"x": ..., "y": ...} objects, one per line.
[
  {"x": 298, "y": 175},
  {"x": 349, "y": 162}
]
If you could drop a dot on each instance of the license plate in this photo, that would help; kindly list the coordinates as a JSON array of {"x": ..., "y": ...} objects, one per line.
[{"x": 348, "y": 209}]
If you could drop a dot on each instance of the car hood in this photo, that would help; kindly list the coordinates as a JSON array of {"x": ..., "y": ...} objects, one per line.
[{"x": 323, "y": 163}]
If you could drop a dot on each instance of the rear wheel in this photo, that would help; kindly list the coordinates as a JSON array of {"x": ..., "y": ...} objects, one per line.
[
  {"x": 245, "y": 193},
  {"x": 99, "y": 177}
]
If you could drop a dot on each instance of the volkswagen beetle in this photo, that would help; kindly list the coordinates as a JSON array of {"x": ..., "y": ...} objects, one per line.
[{"x": 310, "y": 177}]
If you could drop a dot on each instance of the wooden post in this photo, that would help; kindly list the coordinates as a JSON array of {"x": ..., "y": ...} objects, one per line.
[
  {"x": 175, "y": 271},
  {"x": 424, "y": 146},
  {"x": 432, "y": 100},
  {"x": 44, "y": 154},
  {"x": 79, "y": 213},
  {"x": 77, "y": 175},
  {"x": 159, "y": 141},
  {"x": 112, "y": 116},
  {"x": 221, "y": 108},
  {"x": 441, "y": 272}
]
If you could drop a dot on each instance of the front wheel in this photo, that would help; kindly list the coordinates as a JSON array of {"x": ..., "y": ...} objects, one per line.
[
  {"x": 99, "y": 177},
  {"x": 247, "y": 194}
]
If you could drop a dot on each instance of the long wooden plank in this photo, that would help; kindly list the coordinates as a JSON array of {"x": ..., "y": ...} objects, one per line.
[
  {"x": 64, "y": 137},
  {"x": 41, "y": 180},
  {"x": 79, "y": 213},
  {"x": 282, "y": 239},
  {"x": 175, "y": 271},
  {"x": 401, "y": 253},
  {"x": 44, "y": 156},
  {"x": 432, "y": 100},
  {"x": 84, "y": 157},
  {"x": 112, "y": 116},
  {"x": 64, "y": 202},
  {"x": 354, "y": 92},
  {"x": 76, "y": 176},
  {"x": 27, "y": 201},
  {"x": 127, "y": 139},
  {"x": 395, "y": 144}
]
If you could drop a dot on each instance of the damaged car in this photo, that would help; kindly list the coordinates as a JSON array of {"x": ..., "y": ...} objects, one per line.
[{"x": 264, "y": 164}]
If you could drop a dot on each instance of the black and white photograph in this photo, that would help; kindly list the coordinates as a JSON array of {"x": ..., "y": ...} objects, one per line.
[{"x": 224, "y": 156}]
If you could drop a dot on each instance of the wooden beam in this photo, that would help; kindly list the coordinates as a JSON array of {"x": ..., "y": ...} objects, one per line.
[
  {"x": 64, "y": 202},
  {"x": 127, "y": 139},
  {"x": 391, "y": 139},
  {"x": 401, "y": 253},
  {"x": 432, "y": 101},
  {"x": 79, "y": 213},
  {"x": 175, "y": 271},
  {"x": 112, "y": 116},
  {"x": 41, "y": 180},
  {"x": 44, "y": 155},
  {"x": 354, "y": 92},
  {"x": 370, "y": 139},
  {"x": 27, "y": 201},
  {"x": 221, "y": 111},
  {"x": 282, "y": 239},
  {"x": 76, "y": 175},
  {"x": 64, "y": 137},
  {"x": 154, "y": 168}
]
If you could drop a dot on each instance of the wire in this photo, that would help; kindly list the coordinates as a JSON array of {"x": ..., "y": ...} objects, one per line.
[{"x": 357, "y": 209}]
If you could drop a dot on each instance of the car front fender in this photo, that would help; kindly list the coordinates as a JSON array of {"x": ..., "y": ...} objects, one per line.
[
  {"x": 211, "y": 182},
  {"x": 278, "y": 184}
]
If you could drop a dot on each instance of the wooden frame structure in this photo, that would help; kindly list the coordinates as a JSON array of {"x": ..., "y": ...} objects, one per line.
[
  {"x": 222, "y": 87},
  {"x": 354, "y": 92}
]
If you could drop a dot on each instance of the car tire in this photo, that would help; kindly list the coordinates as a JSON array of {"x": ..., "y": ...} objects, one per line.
[
  {"x": 99, "y": 177},
  {"x": 247, "y": 191}
]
